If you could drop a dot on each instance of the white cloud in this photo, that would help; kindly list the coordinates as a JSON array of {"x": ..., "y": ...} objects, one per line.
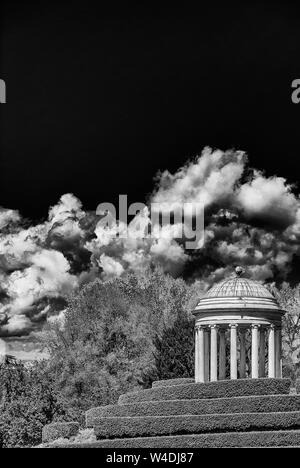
[
  {"x": 251, "y": 220},
  {"x": 8, "y": 216},
  {"x": 268, "y": 198}
]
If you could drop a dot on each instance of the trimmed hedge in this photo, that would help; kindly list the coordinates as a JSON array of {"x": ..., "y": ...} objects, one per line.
[
  {"x": 167, "y": 425},
  {"x": 170, "y": 382},
  {"x": 253, "y": 404},
  {"x": 220, "y": 440},
  {"x": 219, "y": 389},
  {"x": 64, "y": 430}
]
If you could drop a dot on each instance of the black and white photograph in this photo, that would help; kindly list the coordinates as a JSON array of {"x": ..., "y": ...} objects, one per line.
[{"x": 149, "y": 228}]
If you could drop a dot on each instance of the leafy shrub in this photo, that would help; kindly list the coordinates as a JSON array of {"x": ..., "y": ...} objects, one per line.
[
  {"x": 29, "y": 401},
  {"x": 64, "y": 430}
]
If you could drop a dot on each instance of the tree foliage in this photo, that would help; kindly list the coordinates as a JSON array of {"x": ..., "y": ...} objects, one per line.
[
  {"x": 174, "y": 351},
  {"x": 289, "y": 300},
  {"x": 29, "y": 400},
  {"x": 107, "y": 344}
]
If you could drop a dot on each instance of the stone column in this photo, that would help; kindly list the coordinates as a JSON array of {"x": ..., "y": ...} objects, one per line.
[
  {"x": 201, "y": 355},
  {"x": 242, "y": 353},
  {"x": 254, "y": 352},
  {"x": 262, "y": 354},
  {"x": 271, "y": 352},
  {"x": 196, "y": 355},
  {"x": 222, "y": 355},
  {"x": 233, "y": 351},
  {"x": 278, "y": 353},
  {"x": 206, "y": 355},
  {"x": 213, "y": 353}
]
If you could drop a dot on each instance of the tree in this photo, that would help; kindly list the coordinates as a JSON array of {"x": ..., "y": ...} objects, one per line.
[
  {"x": 174, "y": 351},
  {"x": 106, "y": 345},
  {"x": 29, "y": 401},
  {"x": 289, "y": 300}
]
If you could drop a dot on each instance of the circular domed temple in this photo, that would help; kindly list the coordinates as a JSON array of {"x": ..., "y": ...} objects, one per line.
[
  {"x": 236, "y": 306},
  {"x": 233, "y": 401}
]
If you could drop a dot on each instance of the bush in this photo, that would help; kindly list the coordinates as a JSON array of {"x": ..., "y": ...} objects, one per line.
[
  {"x": 219, "y": 389},
  {"x": 247, "y": 404},
  {"x": 193, "y": 441},
  {"x": 171, "y": 382},
  {"x": 29, "y": 401},
  {"x": 62, "y": 430},
  {"x": 192, "y": 424}
]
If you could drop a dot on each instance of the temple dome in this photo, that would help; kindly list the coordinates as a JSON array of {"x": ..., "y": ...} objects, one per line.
[
  {"x": 238, "y": 293},
  {"x": 238, "y": 287}
]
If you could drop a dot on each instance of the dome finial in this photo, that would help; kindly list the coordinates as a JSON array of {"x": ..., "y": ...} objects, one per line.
[{"x": 239, "y": 271}]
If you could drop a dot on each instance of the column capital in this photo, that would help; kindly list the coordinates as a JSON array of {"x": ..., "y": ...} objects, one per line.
[
  {"x": 199, "y": 354},
  {"x": 271, "y": 326},
  {"x": 233, "y": 325},
  {"x": 214, "y": 326},
  {"x": 255, "y": 326}
]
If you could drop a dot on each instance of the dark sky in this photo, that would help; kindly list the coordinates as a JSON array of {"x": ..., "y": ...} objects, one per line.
[{"x": 98, "y": 101}]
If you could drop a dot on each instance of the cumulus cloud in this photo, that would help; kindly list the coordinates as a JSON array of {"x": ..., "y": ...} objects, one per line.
[
  {"x": 110, "y": 266},
  {"x": 268, "y": 199},
  {"x": 250, "y": 220},
  {"x": 35, "y": 267},
  {"x": 68, "y": 208},
  {"x": 8, "y": 217},
  {"x": 47, "y": 276},
  {"x": 209, "y": 179},
  {"x": 17, "y": 324}
]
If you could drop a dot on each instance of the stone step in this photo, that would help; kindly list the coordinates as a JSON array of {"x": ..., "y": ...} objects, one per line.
[
  {"x": 219, "y": 389},
  {"x": 252, "y": 404},
  {"x": 150, "y": 426},
  {"x": 192, "y": 441},
  {"x": 170, "y": 382}
]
